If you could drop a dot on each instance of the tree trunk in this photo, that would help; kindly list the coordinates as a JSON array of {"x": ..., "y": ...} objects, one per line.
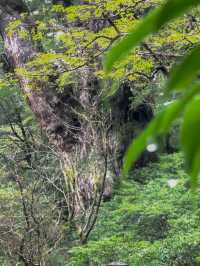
[
  {"x": 20, "y": 52},
  {"x": 53, "y": 118}
]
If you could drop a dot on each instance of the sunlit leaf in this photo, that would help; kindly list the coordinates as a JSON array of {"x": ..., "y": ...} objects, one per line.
[
  {"x": 185, "y": 73},
  {"x": 123, "y": 47},
  {"x": 150, "y": 24},
  {"x": 190, "y": 140},
  {"x": 174, "y": 8}
]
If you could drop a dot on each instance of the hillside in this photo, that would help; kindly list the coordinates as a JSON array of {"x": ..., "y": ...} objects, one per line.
[
  {"x": 99, "y": 132},
  {"x": 149, "y": 222}
]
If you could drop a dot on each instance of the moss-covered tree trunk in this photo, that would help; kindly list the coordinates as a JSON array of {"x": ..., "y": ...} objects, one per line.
[
  {"x": 44, "y": 103},
  {"x": 59, "y": 125},
  {"x": 20, "y": 52}
]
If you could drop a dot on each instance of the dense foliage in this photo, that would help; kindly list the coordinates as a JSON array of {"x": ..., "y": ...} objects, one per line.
[
  {"x": 65, "y": 124},
  {"x": 180, "y": 80},
  {"x": 150, "y": 221}
]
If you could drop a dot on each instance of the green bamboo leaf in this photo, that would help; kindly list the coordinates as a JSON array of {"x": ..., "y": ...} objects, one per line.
[
  {"x": 195, "y": 170},
  {"x": 190, "y": 141},
  {"x": 138, "y": 145},
  {"x": 150, "y": 24},
  {"x": 158, "y": 126},
  {"x": 184, "y": 74},
  {"x": 113, "y": 88},
  {"x": 133, "y": 38},
  {"x": 174, "y": 8}
]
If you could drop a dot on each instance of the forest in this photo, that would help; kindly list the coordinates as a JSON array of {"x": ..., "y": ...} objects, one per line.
[{"x": 99, "y": 132}]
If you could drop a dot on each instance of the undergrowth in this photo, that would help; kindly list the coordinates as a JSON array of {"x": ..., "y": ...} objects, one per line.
[{"x": 151, "y": 221}]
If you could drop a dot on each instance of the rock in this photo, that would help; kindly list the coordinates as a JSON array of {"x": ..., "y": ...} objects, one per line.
[{"x": 118, "y": 264}]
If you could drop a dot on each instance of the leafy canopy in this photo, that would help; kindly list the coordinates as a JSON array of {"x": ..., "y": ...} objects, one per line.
[{"x": 182, "y": 79}]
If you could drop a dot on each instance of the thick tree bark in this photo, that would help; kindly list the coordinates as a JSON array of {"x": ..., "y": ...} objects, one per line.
[
  {"x": 60, "y": 124},
  {"x": 19, "y": 52}
]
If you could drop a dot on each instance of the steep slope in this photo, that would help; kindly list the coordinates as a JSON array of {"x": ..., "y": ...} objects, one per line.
[{"x": 151, "y": 221}]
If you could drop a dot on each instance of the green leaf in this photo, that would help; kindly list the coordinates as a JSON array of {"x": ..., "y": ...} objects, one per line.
[
  {"x": 138, "y": 145},
  {"x": 190, "y": 140},
  {"x": 150, "y": 24},
  {"x": 158, "y": 126},
  {"x": 114, "y": 87},
  {"x": 195, "y": 170},
  {"x": 124, "y": 46},
  {"x": 174, "y": 8},
  {"x": 184, "y": 74}
]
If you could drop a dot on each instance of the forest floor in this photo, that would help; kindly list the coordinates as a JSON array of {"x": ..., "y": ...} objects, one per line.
[{"x": 152, "y": 220}]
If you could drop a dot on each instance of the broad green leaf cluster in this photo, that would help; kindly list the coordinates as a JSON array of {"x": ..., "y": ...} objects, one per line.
[{"x": 182, "y": 79}]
